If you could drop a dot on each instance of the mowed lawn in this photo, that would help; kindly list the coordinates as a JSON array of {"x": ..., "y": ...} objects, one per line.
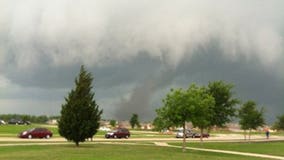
[
  {"x": 107, "y": 152},
  {"x": 271, "y": 148}
]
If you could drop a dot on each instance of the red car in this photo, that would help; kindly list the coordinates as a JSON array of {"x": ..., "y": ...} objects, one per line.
[
  {"x": 118, "y": 133},
  {"x": 36, "y": 133}
]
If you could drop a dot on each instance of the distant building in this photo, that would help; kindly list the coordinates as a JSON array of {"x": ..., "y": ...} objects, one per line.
[
  {"x": 124, "y": 124},
  {"x": 146, "y": 126},
  {"x": 104, "y": 123},
  {"x": 52, "y": 122}
]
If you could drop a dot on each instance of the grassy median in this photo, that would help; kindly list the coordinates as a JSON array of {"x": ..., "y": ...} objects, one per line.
[{"x": 271, "y": 148}]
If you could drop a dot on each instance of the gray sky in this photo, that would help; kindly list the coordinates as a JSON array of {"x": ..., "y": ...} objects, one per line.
[{"x": 138, "y": 50}]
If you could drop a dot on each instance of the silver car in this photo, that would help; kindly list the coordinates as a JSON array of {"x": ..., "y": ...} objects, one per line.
[
  {"x": 188, "y": 133},
  {"x": 2, "y": 122}
]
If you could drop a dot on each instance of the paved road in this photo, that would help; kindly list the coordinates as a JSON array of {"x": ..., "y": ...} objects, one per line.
[{"x": 214, "y": 138}]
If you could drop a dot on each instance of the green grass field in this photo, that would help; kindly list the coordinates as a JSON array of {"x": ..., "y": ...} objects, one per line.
[
  {"x": 271, "y": 148},
  {"x": 108, "y": 151}
]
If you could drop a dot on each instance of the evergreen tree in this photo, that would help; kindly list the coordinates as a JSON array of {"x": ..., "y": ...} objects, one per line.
[{"x": 80, "y": 115}]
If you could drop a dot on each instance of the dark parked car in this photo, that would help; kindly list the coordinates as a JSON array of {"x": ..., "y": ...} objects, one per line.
[
  {"x": 118, "y": 133},
  {"x": 19, "y": 122},
  {"x": 36, "y": 133},
  {"x": 198, "y": 135}
]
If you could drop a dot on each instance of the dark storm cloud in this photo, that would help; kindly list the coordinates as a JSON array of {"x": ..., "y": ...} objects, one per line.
[
  {"x": 137, "y": 50},
  {"x": 251, "y": 79}
]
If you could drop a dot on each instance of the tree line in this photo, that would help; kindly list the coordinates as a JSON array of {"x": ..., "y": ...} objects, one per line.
[
  {"x": 208, "y": 106},
  {"x": 25, "y": 117}
]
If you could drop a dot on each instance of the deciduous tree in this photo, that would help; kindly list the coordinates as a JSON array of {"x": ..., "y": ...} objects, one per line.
[
  {"x": 224, "y": 108},
  {"x": 279, "y": 124},
  {"x": 250, "y": 117},
  {"x": 181, "y": 106},
  {"x": 162, "y": 122},
  {"x": 112, "y": 123},
  {"x": 134, "y": 121},
  {"x": 202, "y": 112}
]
